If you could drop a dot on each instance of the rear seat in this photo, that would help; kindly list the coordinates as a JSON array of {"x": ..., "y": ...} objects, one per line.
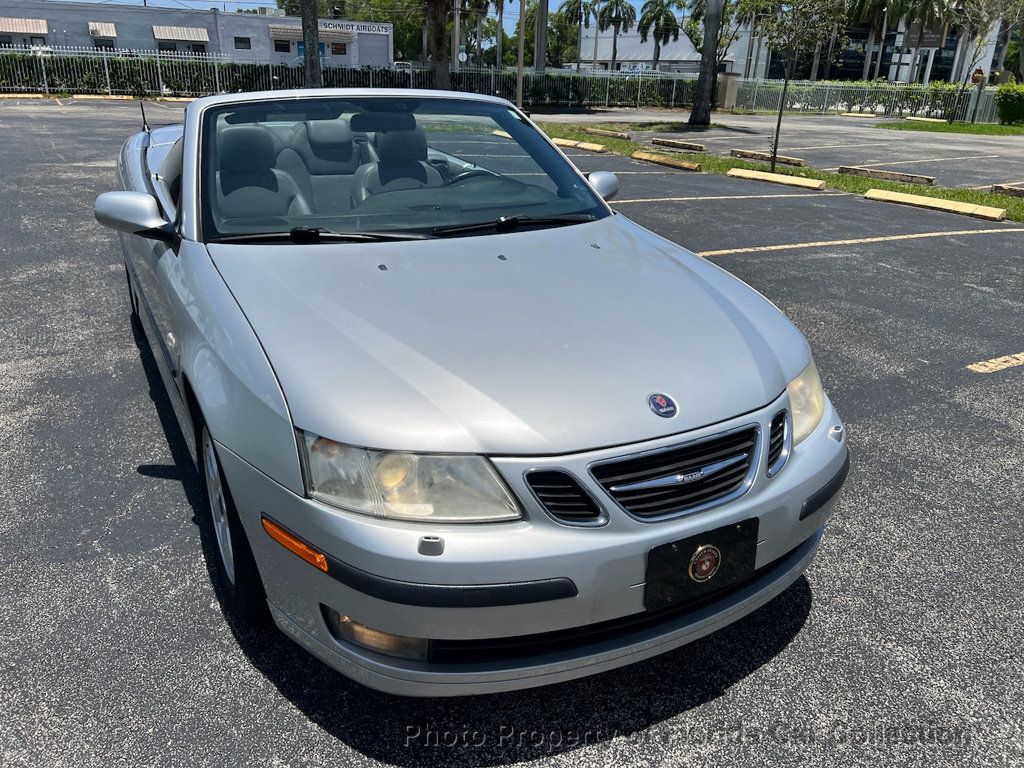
[{"x": 322, "y": 157}]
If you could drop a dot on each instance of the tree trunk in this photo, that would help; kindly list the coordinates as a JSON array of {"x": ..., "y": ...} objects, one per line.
[
  {"x": 750, "y": 48},
  {"x": 757, "y": 59},
  {"x": 499, "y": 61},
  {"x": 540, "y": 38},
  {"x": 881, "y": 44},
  {"x": 615, "y": 45},
  {"x": 657, "y": 53},
  {"x": 915, "y": 66},
  {"x": 815, "y": 62},
  {"x": 701, "y": 112},
  {"x": 1020, "y": 53},
  {"x": 831, "y": 52},
  {"x": 866, "y": 71},
  {"x": 311, "y": 44},
  {"x": 786, "y": 73},
  {"x": 480, "y": 41},
  {"x": 437, "y": 16},
  {"x": 597, "y": 30}
]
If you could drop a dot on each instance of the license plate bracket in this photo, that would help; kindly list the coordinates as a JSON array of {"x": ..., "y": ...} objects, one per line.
[{"x": 677, "y": 572}]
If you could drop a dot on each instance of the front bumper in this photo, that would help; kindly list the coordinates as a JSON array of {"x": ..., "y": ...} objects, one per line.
[{"x": 605, "y": 566}]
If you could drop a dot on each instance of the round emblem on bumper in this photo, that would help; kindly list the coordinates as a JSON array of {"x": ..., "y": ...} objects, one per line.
[
  {"x": 663, "y": 405},
  {"x": 704, "y": 563}
]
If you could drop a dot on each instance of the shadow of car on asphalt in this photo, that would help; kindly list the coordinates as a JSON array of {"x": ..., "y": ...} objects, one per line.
[{"x": 491, "y": 729}]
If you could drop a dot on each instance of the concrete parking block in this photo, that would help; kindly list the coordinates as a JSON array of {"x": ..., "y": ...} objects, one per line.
[
  {"x": 672, "y": 162},
  {"x": 934, "y": 203},
  {"x": 776, "y": 178},
  {"x": 611, "y": 134},
  {"x": 751, "y": 154},
  {"x": 565, "y": 143},
  {"x": 591, "y": 147},
  {"x": 874, "y": 173},
  {"x": 1007, "y": 189},
  {"x": 689, "y": 146}
]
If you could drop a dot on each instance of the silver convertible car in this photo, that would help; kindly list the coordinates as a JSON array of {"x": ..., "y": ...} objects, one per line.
[{"x": 461, "y": 426}]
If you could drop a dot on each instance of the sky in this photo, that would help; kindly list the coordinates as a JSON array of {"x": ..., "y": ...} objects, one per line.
[{"x": 511, "y": 14}]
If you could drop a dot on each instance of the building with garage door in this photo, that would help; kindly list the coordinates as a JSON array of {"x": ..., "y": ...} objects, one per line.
[{"x": 239, "y": 36}]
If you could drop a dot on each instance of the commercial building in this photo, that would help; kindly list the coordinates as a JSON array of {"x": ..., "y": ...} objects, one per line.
[{"x": 240, "y": 36}]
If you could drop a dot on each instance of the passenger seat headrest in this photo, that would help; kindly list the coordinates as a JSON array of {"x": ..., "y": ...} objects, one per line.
[
  {"x": 246, "y": 148},
  {"x": 401, "y": 146},
  {"x": 329, "y": 134}
]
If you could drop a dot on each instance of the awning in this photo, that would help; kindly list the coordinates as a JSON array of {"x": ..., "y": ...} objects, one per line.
[
  {"x": 23, "y": 26},
  {"x": 102, "y": 29},
  {"x": 184, "y": 34},
  {"x": 293, "y": 32}
]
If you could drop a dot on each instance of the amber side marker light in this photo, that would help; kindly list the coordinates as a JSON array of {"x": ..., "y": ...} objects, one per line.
[{"x": 294, "y": 544}]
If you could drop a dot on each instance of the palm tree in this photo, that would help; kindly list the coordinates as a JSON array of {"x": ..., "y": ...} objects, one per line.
[
  {"x": 576, "y": 12},
  {"x": 499, "y": 60},
  {"x": 873, "y": 12},
  {"x": 437, "y": 43},
  {"x": 923, "y": 13},
  {"x": 657, "y": 16},
  {"x": 620, "y": 15}
]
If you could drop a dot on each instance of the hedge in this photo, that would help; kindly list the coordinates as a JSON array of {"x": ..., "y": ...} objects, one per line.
[{"x": 1010, "y": 103}]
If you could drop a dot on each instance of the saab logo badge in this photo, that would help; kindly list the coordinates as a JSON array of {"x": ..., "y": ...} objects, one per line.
[
  {"x": 663, "y": 405},
  {"x": 704, "y": 563}
]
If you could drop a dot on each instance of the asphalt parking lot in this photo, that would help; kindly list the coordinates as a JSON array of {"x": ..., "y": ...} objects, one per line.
[
  {"x": 902, "y": 644},
  {"x": 827, "y": 142}
]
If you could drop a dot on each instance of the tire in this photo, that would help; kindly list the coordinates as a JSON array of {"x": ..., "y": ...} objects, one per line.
[{"x": 244, "y": 596}]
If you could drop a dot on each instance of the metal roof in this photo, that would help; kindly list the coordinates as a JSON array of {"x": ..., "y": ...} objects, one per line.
[
  {"x": 102, "y": 29},
  {"x": 185, "y": 34},
  {"x": 294, "y": 32},
  {"x": 23, "y": 26}
]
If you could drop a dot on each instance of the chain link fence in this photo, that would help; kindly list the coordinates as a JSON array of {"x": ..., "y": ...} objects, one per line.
[
  {"x": 55, "y": 71},
  {"x": 939, "y": 100}
]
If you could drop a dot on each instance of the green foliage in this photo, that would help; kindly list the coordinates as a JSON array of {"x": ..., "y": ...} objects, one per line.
[
  {"x": 982, "y": 129},
  {"x": 1010, "y": 104}
]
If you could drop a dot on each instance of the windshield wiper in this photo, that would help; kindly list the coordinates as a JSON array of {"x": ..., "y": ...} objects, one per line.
[
  {"x": 509, "y": 223},
  {"x": 308, "y": 235}
]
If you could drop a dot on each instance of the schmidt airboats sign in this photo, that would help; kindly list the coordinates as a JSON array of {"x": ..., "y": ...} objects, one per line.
[{"x": 351, "y": 26}]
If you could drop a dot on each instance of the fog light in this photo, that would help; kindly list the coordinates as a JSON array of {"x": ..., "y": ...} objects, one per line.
[{"x": 344, "y": 628}]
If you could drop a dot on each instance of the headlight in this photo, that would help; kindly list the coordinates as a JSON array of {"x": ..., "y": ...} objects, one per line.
[
  {"x": 807, "y": 401},
  {"x": 406, "y": 486}
]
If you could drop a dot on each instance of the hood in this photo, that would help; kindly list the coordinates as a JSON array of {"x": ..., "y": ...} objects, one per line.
[{"x": 443, "y": 346}]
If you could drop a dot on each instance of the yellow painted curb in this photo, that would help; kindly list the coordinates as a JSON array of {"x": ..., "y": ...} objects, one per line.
[
  {"x": 100, "y": 97},
  {"x": 589, "y": 147},
  {"x": 926, "y": 119},
  {"x": 668, "y": 160},
  {"x": 936, "y": 204},
  {"x": 776, "y": 178},
  {"x": 23, "y": 96},
  {"x": 565, "y": 143},
  {"x": 869, "y": 115},
  {"x": 501, "y": 134}
]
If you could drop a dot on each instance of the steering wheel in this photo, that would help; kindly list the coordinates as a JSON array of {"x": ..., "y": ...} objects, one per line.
[{"x": 468, "y": 175}]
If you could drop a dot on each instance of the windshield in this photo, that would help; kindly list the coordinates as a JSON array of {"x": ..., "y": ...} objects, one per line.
[{"x": 381, "y": 166}]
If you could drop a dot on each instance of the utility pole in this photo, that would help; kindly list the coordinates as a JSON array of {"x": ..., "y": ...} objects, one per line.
[
  {"x": 521, "y": 53},
  {"x": 311, "y": 43},
  {"x": 540, "y": 37}
]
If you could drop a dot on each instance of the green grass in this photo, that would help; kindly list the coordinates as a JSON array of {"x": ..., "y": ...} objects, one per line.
[
  {"x": 982, "y": 129},
  {"x": 665, "y": 127},
  {"x": 856, "y": 184}
]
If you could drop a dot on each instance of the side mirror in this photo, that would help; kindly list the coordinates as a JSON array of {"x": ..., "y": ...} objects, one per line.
[
  {"x": 134, "y": 212},
  {"x": 605, "y": 183}
]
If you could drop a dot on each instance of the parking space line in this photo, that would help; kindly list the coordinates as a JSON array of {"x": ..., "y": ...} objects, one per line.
[
  {"x": 725, "y": 197},
  {"x": 997, "y": 363},
  {"x": 857, "y": 241},
  {"x": 837, "y": 146},
  {"x": 926, "y": 160}
]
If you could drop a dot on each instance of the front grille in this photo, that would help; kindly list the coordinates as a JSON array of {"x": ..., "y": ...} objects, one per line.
[
  {"x": 563, "y": 496},
  {"x": 682, "y": 478},
  {"x": 776, "y": 442}
]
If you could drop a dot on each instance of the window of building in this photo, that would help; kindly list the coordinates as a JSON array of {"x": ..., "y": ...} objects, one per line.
[
  {"x": 37, "y": 41},
  {"x": 339, "y": 49},
  {"x": 198, "y": 48},
  {"x": 243, "y": 44},
  {"x": 166, "y": 47},
  {"x": 6, "y": 41},
  {"x": 282, "y": 46},
  {"x": 103, "y": 43}
]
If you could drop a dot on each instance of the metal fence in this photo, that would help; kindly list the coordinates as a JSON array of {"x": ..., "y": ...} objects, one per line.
[
  {"x": 884, "y": 99},
  {"x": 152, "y": 73}
]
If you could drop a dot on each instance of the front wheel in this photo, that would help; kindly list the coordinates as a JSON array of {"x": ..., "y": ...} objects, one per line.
[{"x": 243, "y": 588}]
